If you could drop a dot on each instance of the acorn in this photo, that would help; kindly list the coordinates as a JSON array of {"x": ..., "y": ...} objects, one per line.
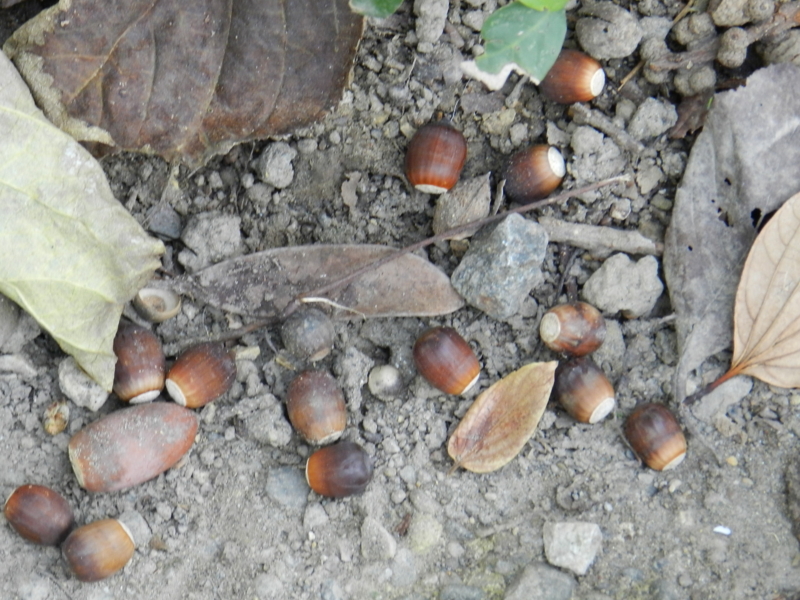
[
  {"x": 308, "y": 334},
  {"x": 435, "y": 156},
  {"x": 131, "y": 446},
  {"x": 140, "y": 368},
  {"x": 573, "y": 329},
  {"x": 156, "y": 305},
  {"x": 446, "y": 360},
  {"x": 39, "y": 514},
  {"x": 655, "y": 436},
  {"x": 534, "y": 172},
  {"x": 316, "y": 407},
  {"x": 201, "y": 374},
  {"x": 98, "y": 550},
  {"x": 583, "y": 390},
  {"x": 343, "y": 469},
  {"x": 574, "y": 77}
]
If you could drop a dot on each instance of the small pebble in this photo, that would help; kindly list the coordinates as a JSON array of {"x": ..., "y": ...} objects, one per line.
[
  {"x": 431, "y": 17},
  {"x": 541, "y": 582},
  {"x": 79, "y": 387},
  {"x": 606, "y": 30},
  {"x": 210, "y": 237},
  {"x": 572, "y": 545},
  {"x": 376, "y": 542},
  {"x": 652, "y": 118},
  {"x": 623, "y": 285},
  {"x": 274, "y": 166},
  {"x": 287, "y": 486}
]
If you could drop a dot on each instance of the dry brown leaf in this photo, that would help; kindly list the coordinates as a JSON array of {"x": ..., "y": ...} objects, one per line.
[{"x": 502, "y": 419}]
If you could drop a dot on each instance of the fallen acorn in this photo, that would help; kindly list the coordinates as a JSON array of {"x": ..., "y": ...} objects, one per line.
[
  {"x": 98, "y": 550},
  {"x": 39, "y": 514}
]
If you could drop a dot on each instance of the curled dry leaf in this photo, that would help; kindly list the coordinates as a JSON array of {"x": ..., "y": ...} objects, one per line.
[{"x": 502, "y": 419}]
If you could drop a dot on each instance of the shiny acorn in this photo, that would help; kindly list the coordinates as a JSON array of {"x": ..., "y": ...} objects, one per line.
[
  {"x": 446, "y": 360},
  {"x": 316, "y": 407},
  {"x": 435, "y": 157},
  {"x": 156, "y": 305},
  {"x": 39, "y": 514},
  {"x": 201, "y": 374},
  {"x": 583, "y": 390},
  {"x": 574, "y": 77},
  {"x": 574, "y": 329},
  {"x": 532, "y": 173},
  {"x": 343, "y": 469},
  {"x": 655, "y": 436},
  {"x": 139, "y": 372},
  {"x": 98, "y": 550},
  {"x": 308, "y": 334}
]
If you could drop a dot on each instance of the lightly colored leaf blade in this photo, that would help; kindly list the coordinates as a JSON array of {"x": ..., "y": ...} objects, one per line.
[
  {"x": 502, "y": 419},
  {"x": 545, "y": 4},
  {"x": 72, "y": 255},
  {"x": 379, "y": 9}
]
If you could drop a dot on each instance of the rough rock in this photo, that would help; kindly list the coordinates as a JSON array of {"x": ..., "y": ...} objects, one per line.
[
  {"x": 287, "y": 486},
  {"x": 431, "y": 17},
  {"x": 652, "y": 118},
  {"x": 210, "y": 238},
  {"x": 78, "y": 386},
  {"x": 376, "y": 542},
  {"x": 623, "y": 285},
  {"x": 572, "y": 545},
  {"x": 606, "y": 30},
  {"x": 539, "y": 581},
  {"x": 274, "y": 166}
]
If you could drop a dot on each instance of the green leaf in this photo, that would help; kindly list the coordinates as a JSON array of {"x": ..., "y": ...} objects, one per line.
[
  {"x": 72, "y": 255},
  {"x": 375, "y": 8},
  {"x": 551, "y": 5},
  {"x": 528, "y": 39}
]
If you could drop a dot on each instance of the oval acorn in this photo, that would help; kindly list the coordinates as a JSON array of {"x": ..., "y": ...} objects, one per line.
[
  {"x": 156, "y": 305},
  {"x": 446, "y": 360},
  {"x": 655, "y": 436},
  {"x": 201, "y": 374},
  {"x": 316, "y": 407},
  {"x": 39, "y": 514},
  {"x": 343, "y": 469},
  {"x": 534, "y": 172},
  {"x": 574, "y": 77},
  {"x": 583, "y": 390},
  {"x": 308, "y": 334},
  {"x": 140, "y": 368},
  {"x": 435, "y": 157},
  {"x": 574, "y": 329},
  {"x": 98, "y": 550}
]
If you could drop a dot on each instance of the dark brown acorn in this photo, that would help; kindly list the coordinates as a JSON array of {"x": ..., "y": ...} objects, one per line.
[
  {"x": 201, "y": 374},
  {"x": 308, "y": 334},
  {"x": 435, "y": 156},
  {"x": 98, "y": 550},
  {"x": 446, "y": 360},
  {"x": 655, "y": 436},
  {"x": 140, "y": 368},
  {"x": 39, "y": 514},
  {"x": 316, "y": 407},
  {"x": 534, "y": 172},
  {"x": 574, "y": 77},
  {"x": 343, "y": 469},
  {"x": 573, "y": 329},
  {"x": 583, "y": 390}
]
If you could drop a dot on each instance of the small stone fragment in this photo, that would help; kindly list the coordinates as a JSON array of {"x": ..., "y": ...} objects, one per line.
[
  {"x": 467, "y": 201},
  {"x": 729, "y": 13},
  {"x": 78, "y": 386},
  {"x": 138, "y": 527},
  {"x": 623, "y": 285},
  {"x": 652, "y": 118},
  {"x": 267, "y": 424},
  {"x": 274, "y": 166},
  {"x": 404, "y": 568},
  {"x": 354, "y": 368},
  {"x": 572, "y": 545},
  {"x": 164, "y": 221},
  {"x": 539, "y": 581},
  {"x": 19, "y": 364},
  {"x": 210, "y": 238},
  {"x": 287, "y": 486},
  {"x": 606, "y": 30},
  {"x": 376, "y": 542},
  {"x": 431, "y": 17},
  {"x": 424, "y": 533}
]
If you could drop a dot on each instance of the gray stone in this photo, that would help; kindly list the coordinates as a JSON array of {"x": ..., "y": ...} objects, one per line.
[
  {"x": 78, "y": 386},
  {"x": 287, "y": 486},
  {"x": 500, "y": 269},
  {"x": 404, "y": 568},
  {"x": 606, "y": 30},
  {"x": 456, "y": 591},
  {"x": 376, "y": 542},
  {"x": 331, "y": 590},
  {"x": 431, "y": 17},
  {"x": 315, "y": 517},
  {"x": 652, "y": 118},
  {"x": 623, "y": 285},
  {"x": 274, "y": 166},
  {"x": 164, "y": 221},
  {"x": 572, "y": 545},
  {"x": 268, "y": 424},
  {"x": 424, "y": 533},
  {"x": 138, "y": 527},
  {"x": 17, "y": 327},
  {"x": 209, "y": 238},
  {"x": 354, "y": 367},
  {"x": 468, "y": 201},
  {"x": 729, "y": 13},
  {"x": 713, "y": 407},
  {"x": 596, "y": 156},
  {"x": 541, "y": 582},
  {"x": 269, "y": 587},
  {"x": 19, "y": 364}
]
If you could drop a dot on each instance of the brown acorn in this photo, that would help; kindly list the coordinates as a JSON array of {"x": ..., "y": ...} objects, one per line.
[
  {"x": 308, "y": 334},
  {"x": 534, "y": 172},
  {"x": 655, "y": 436},
  {"x": 39, "y": 514},
  {"x": 446, "y": 360},
  {"x": 98, "y": 550},
  {"x": 583, "y": 390},
  {"x": 573, "y": 329},
  {"x": 316, "y": 407},
  {"x": 435, "y": 156},
  {"x": 201, "y": 374},
  {"x": 131, "y": 446},
  {"x": 140, "y": 368},
  {"x": 574, "y": 77},
  {"x": 343, "y": 469}
]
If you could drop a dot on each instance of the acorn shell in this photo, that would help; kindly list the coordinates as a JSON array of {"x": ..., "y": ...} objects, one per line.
[
  {"x": 435, "y": 157},
  {"x": 534, "y": 172},
  {"x": 131, "y": 446},
  {"x": 574, "y": 77},
  {"x": 98, "y": 550},
  {"x": 583, "y": 390},
  {"x": 343, "y": 469},
  {"x": 201, "y": 374},
  {"x": 574, "y": 329},
  {"x": 446, "y": 360},
  {"x": 316, "y": 407},
  {"x": 39, "y": 514},
  {"x": 139, "y": 372},
  {"x": 655, "y": 436},
  {"x": 156, "y": 305}
]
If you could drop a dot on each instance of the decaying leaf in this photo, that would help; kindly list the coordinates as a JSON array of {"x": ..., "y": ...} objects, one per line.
[
  {"x": 502, "y": 419},
  {"x": 262, "y": 284},
  {"x": 186, "y": 80},
  {"x": 71, "y": 254}
]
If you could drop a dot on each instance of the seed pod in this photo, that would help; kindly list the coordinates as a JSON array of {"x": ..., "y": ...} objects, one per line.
[
  {"x": 534, "y": 172},
  {"x": 139, "y": 372},
  {"x": 343, "y": 469},
  {"x": 308, "y": 334},
  {"x": 446, "y": 360},
  {"x": 98, "y": 550},
  {"x": 201, "y": 375},
  {"x": 573, "y": 329},
  {"x": 435, "y": 156},
  {"x": 39, "y": 514},
  {"x": 574, "y": 77},
  {"x": 316, "y": 407},
  {"x": 583, "y": 390},
  {"x": 655, "y": 436}
]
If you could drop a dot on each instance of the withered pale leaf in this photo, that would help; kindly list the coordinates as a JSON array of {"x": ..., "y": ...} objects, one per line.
[{"x": 502, "y": 419}]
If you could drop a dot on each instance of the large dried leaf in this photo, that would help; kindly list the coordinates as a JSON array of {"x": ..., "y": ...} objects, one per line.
[
  {"x": 71, "y": 254},
  {"x": 502, "y": 419},
  {"x": 186, "y": 79},
  {"x": 742, "y": 166},
  {"x": 262, "y": 284}
]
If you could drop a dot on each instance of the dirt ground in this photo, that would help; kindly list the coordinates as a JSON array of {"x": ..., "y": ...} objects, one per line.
[{"x": 235, "y": 520}]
